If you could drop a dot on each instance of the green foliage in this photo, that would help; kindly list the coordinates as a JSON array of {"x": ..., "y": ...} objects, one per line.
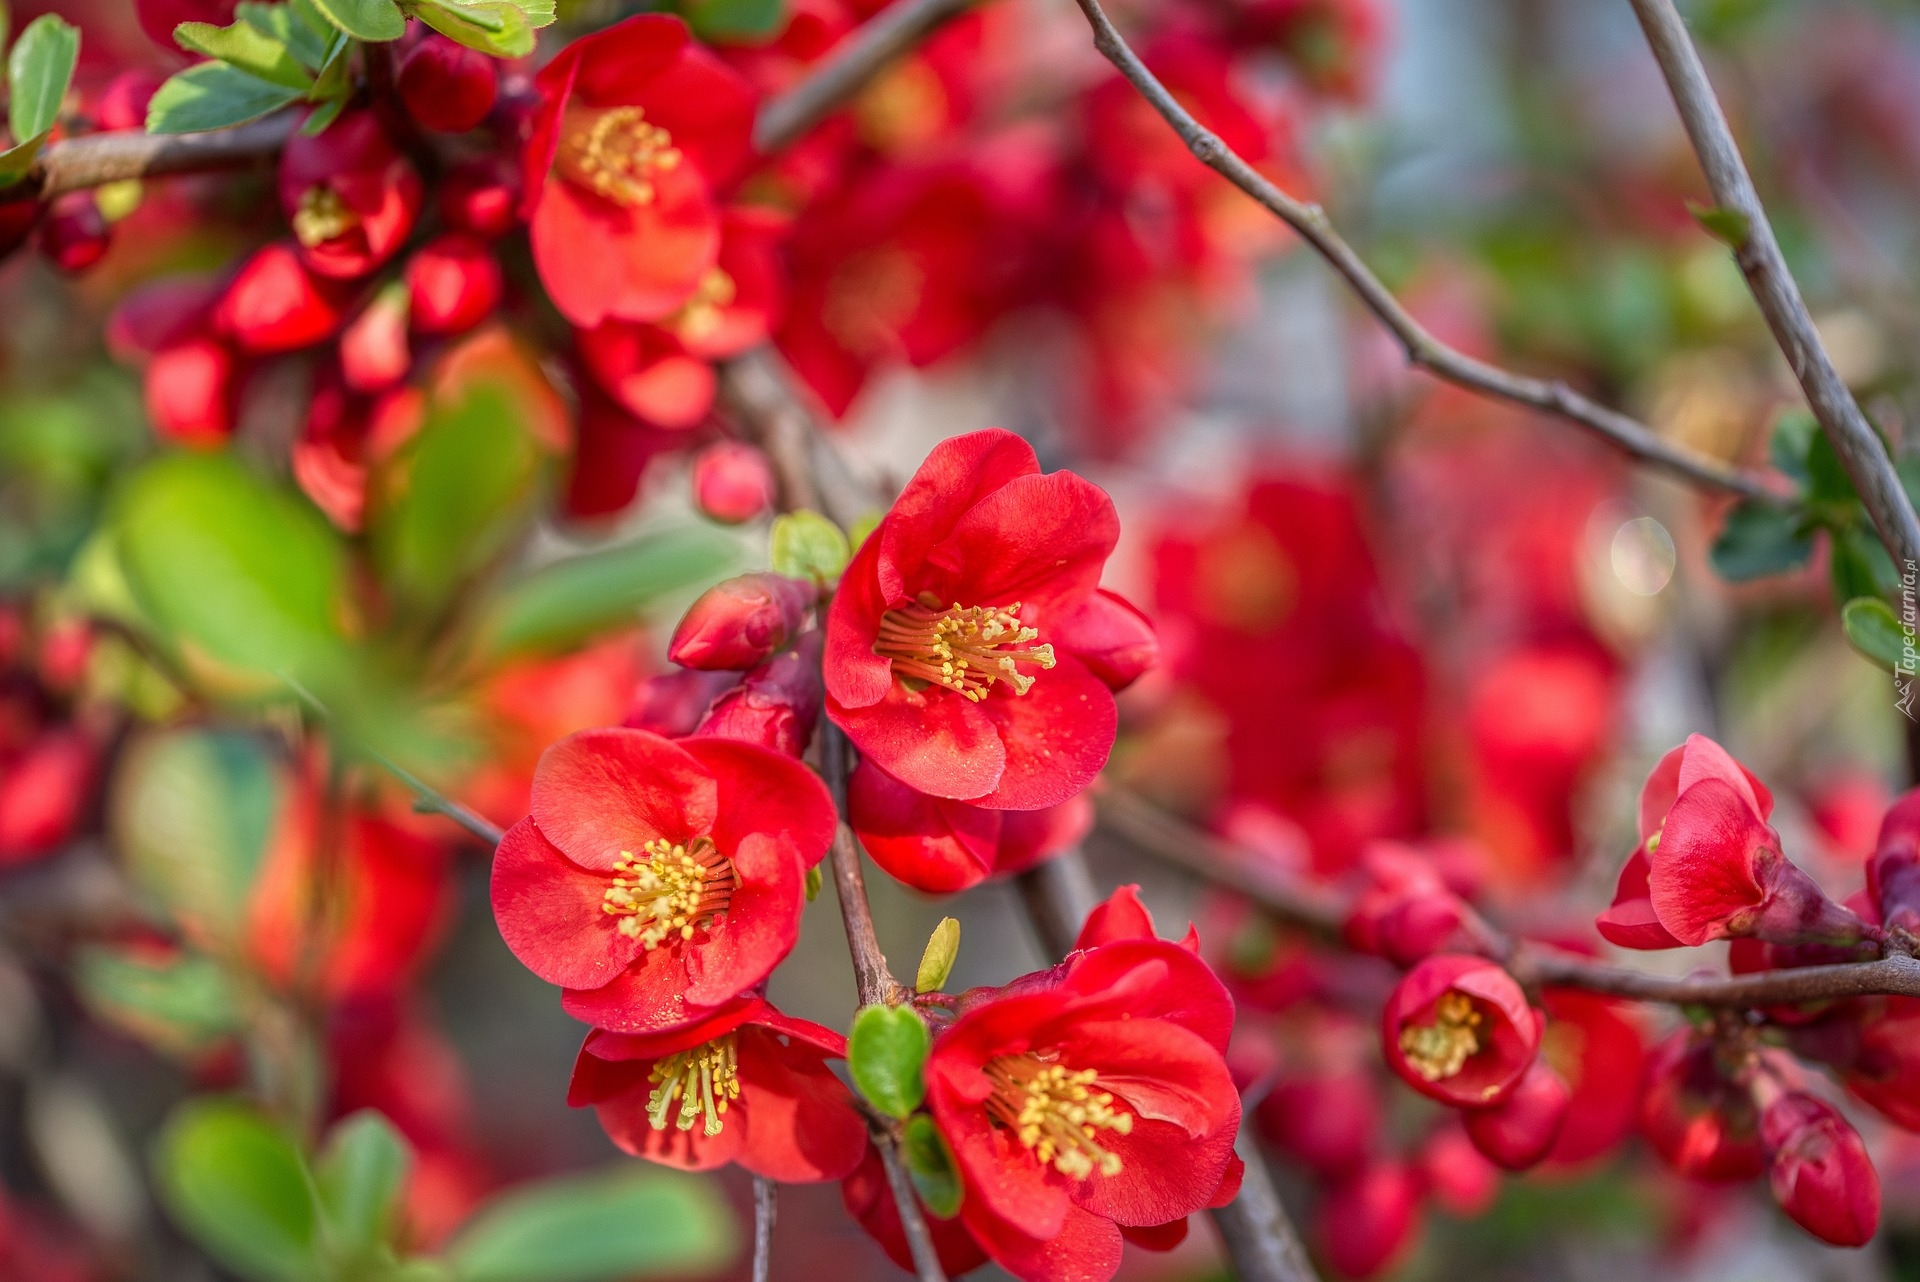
[
  {"x": 39, "y": 72},
  {"x": 376, "y": 20},
  {"x": 568, "y": 601},
  {"x": 626, "y": 1222},
  {"x": 183, "y": 1004},
  {"x": 1759, "y": 539},
  {"x": 807, "y": 545},
  {"x": 1728, "y": 226},
  {"x": 930, "y": 1165},
  {"x": 936, "y": 963},
  {"x": 1877, "y": 632},
  {"x": 496, "y": 27},
  {"x": 887, "y": 1057},
  {"x": 246, "y": 48},
  {"x": 359, "y": 1176},
  {"x": 237, "y": 1184},
  {"x": 735, "y": 19},
  {"x": 271, "y": 56},
  {"x": 213, "y": 95}
]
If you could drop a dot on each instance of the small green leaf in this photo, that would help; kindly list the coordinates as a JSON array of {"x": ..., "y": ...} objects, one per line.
[
  {"x": 1728, "y": 226},
  {"x": 309, "y": 37},
  {"x": 39, "y": 70},
  {"x": 320, "y": 117},
  {"x": 183, "y": 1005},
  {"x": 498, "y": 28},
  {"x": 814, "y": 881},
  {"x": 1792, "y": 438},
  {"x": 1759, "y": 539},
  {"x": 1827, "y": 479},
  {"x": 735, "y": 19},
  {"x": 376, "y": 20},
  {"x": 1858, "y": 564},
  {"x": 1878, "y": 633},
  {"x": 568, "y": 601},
  {"x": 862, "y": 529},
  {"x": 236, "y": 1184},
  {"x": 887, "y": 1056},
  {"x": 359, "y": 1174},
  {"x": 17, "y": 162},
  {"x": 626, "y": 1222},
  {"x": 936, "y": 963},
  {"x": 245, "y": 46},
  {"x": 807, "y": 545},
  {"x": 931, "y": 1166},
  {"x": 213, "y": 95}
]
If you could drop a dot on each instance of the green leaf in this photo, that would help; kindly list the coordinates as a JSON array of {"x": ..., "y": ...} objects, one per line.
[
  {"x": 236, "y": 1184},
  {"x": 310, "y": 38},
  {"x": 807, "y": 545},
  {"x": 213, "y": 95},
  {"x": 1790, "y": 442},
  {"x": 814, "y": 881},
  {"x": 936, "y": 963},
  {"x": 1759, "y": 539},
  {"x": 887, "y": 1056},
  {"x": 1827, "y": 479},
  {"x": 17, "y": 162},
  {"x": 192, "y": 813},
  {"x": 626, "y": 1222},
  {"x": 1877, "y": 632},
  {"x": 931, "y": 1166},
  {"x": 320, "y": 117},
  {"x": 359, "y": 1174},
  {"x": 376, "y": 20},
  {"x": 735, "y": 19},
  {"x": 1857, "y": 563},
  {"x": 495, "y": 27},
  {"x": 1728, "y": 226},
  {"x": 183, "y": 1005},
  {"x": 568, "y": 601},
  {"x": 39, "y": 70},
  {"x": 246, "y": 47}
]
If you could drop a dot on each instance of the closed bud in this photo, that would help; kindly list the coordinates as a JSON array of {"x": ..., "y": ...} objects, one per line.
[
  {"x": 1818, "y": 1166},
  {"x": 1365, "y": 1223},
  {"x": 1893, "y": 873},
  {"x": 741, "y": 622},
  {"x": 446, "y": 86},
  {"x": 275, "y": 305},
  {"x": 732, "y": 482},
  {"x": 1520, "y": 1130},
  {"x": 1406, "y": 913},
  {"x": 453, "y": 284},
  {"x": 75, "y": 234},
  {"x": 778, "y": 703},
  {"x": 189, "y": 389},
  {"x": 42, "y": 794},
  {"x": 482, "y": 197},
  {"x": 1329, "y": 1122},
  {"x": 373, "y": 349}
]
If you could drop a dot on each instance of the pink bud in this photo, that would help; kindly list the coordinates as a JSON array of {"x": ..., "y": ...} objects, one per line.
[
  {"x": 42, "y": 793},
  {"x": 482, "y": 197},
  {"x": 446, "y": 86},
  {"x": 1328, "y": 1122},
  {"x": 673, "y": 703},
  {"x": 275, "y": 305},
  {"x": 732, "y": 482},
  {"x": 1818, "y": 1166},
  {"x": 777, "y": 705},
  {"x": 123, "y": 103},
  {"x": 741, "y": 622},
  {"x": 373, "y": 349},
  {"x": 1366, "y": 1222},
  {"x": 189, "y": 391},
  {"x": 1520, "y": 1130},
  {"x": 1457, "y": 1174},
  {"x": 75, "y": 234},
  {"x": 453, "y": 283}
]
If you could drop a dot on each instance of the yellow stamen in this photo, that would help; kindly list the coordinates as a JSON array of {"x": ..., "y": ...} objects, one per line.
[
  {"x": 1057, "y": 1113},
  {"x": 700, "y": 315},
  {"x": 672, "y": 892},
  {"x": 963, "y": 648},
  {"x": 321, "y": 216},
  {"x": 703, "y": 1079},
  {"x": 1441, "y": 1049},
  {"x": 615, "y": 152}
]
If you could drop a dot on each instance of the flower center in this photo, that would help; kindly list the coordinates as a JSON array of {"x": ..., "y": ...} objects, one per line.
[
  {"x": 614, "y": 152},
  {"x": 1057, "y": 1113},
  {"x": 672, "y": 891},
  {"x": 700, "y": 315},
  {"x": 703, "y": 1079},
  {"x": 964, "y": 648},
  {"x": 1439, "y": 1050},
  {"x": 321, "y": 216}
]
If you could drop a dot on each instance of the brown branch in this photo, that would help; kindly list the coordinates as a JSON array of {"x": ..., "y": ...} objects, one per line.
[
  {"x": 94, "y": 159},
  {"x": 874, "y": 982},
  {"x": 1773, "y": 287},
  {"x": 765, "y": 1192},
  {"x": 1423, "y": 349}
]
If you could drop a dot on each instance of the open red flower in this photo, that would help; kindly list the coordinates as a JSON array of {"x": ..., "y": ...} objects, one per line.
[
  {"x": 350, "y": 195},
  {"x": 747, "y": 1084},
  {"x": 658, "y": 881},
  {"x": 636, "y": 128},
  {"x": 1459, "y": 1030},
  {"x": 1087, "y": 1103},
  {"x": 954, "y": 645}
]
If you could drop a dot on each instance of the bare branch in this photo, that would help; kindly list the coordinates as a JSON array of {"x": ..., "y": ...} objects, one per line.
[
  {"x": 876, "y": 984},
  {"x": 1422, "y": 348},
  {"x": 94, "y": 159},
  {"x": 764, "y": 1208},
  {"x": 1760, "y": 260},
  {"x": 1259, "y": 1238}
]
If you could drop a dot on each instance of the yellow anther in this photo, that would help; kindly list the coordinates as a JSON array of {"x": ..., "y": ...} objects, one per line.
[
  {"x": 670, "y": 893},
  {"x": 321, "y": 216},
  {"x": 703, "y": 1079},
  {"x": 1056, "y": 1112},
  {"x": 962, "y": 648},
  {"x": 1441, "y": 1049},
  {"x": 700, "y": 315},
  {"x": 615, "y": 152}
]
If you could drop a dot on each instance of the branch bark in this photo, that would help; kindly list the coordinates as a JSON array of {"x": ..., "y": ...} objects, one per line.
[
  {"x": 1773, "y": 286},
  {"x": 1423, "y": 349}
]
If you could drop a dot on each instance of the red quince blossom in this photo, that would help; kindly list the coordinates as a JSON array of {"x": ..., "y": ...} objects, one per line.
[
  {"x": 1407, "y": 911},
  {"x": 657, "y": 881},
  {"x": 1458, "y": 1176},
  {"x": 1519, "y": 1131},
  {"x": 954, "y": 642},
  {"x": 637, "y": 130},
  {"x": 350, "y": 195},
  {"x": 1597, "y": 1044},
  {"x": 1120, "y": 916},
  {"x": 747, "y": 1084},
  {"x": 1696, "y": 1118},
  {"x": 1818, "y": 1166},
  {"x": 446, "y": 86},
  {"x": 453, "y": 283},
  {"x": 275, "y": 304},
  {"x": 741, "y": 621},
  {"x": 1459, "y": 1030},
  {"x": 776, "y": 705},
  {"x": 1088, "y": 1101}
]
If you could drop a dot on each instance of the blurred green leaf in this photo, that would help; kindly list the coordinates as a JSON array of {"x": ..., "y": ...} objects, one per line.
[
  {"x": 1827, "y": 479},
  {"x": 735, "y": 19},
  {"x": 245, "y": 46},
  {"x": 495, "y": 27},
  {"x": 807, "y": 545},
  {"x": 1759, "y": 539},
  {"x": 568, "y": 601},
  {"x": 376, "y": 20},
  {"x": 627, "y": 1222},
  {"x": 359, "y": 1173},
  {"x": 213, "y": 95},
  {"x": 1876, "y": 631},
  {"x": 1790, "y": 442},
  {"x": 183, "y": 1005},
  {"x": 17, "y": 162},
  {"x": 887, "y": 1056},
  {"x": 308, "y": 36},
  {"x": 931, "y": 1166},
  {"x": 1728, "y": 226},
  {"x": 236, "y": 1183},
  {"x": 936, "y": 962},
  {"x": 193, "y": 813},
  {"x": 39, "y": 70},
  {"x": 1857, "y": 563}
]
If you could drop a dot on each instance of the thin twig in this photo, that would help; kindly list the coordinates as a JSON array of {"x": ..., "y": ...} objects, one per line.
[
  {"x": 874, "y": 982},
  {"x": 765, "y": 1193},
  {"x": 430, "y": 800},
  {"x": 1773, "y": 286},
  {"x": 1260, "y": 1239},
  {"x": 100, "y": 158},
  {"x": 1422, "y": 348}
]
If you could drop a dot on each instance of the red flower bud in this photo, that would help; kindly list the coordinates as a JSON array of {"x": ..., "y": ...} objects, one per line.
[
  {"x": 1365, "y": 1224},
  {"x": 1328, "y": 1122},
  {"x": 190, "y": 391},
  {"x": 453, "y": 283},
  {"x": 275, "y": 305},
  {"x": 1520, "y": 1130},
  {"x": 673, "y": 703},
  {"x": 75, "y": 234},
  {"x": 1818, "y": 1166},
  {"x": 123, "y": 103},
  {"x": 1407, "y": 912},
  {"x": 1458, "y": 1029},
  {"x": 1457, "y": 1174},
  {"x": 42, "y": 793},
  {"x": 1893, "y": 873},
  {"x": 777, "y": 705},
  {"x": 740, "y": 622},
  {"x": 373, "y": 348},
  {"x": 482, "y": 197},
  {"x": 350, "y": 195},
  {"x": 446, "y": 86},
  {"x": 732, "y": 482},
  {"x": 1695, "y": 1117}
]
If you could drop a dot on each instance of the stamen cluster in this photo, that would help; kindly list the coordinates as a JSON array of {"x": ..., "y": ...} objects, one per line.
[
  {"x": 1057, "y": 1113},
  {"x": 672, "y": 892},
  {"x": 704, "y": 1079},
  {"x": 963, "y": 648}
]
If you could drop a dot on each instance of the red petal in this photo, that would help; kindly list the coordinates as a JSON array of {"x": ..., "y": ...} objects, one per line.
[
  {"x": 759, "y": 928},
  {"x": 855, "y": 675},
  {"x": 600, "y": 260},
  {"x": 1085, "y": 1247},
  {"x": 1630, "y": 921},
  {"x": 617, "y": 61},
  {"x": 1058, "y": 736},
  {"x": 762, "y": 791},
  {"x": 801, "y": 1126},
  {"x": 625, "y": 1120},
  {"x": 1038, "y": 540},
  {"x": 599, "y": 792},
  {"x": 549, "y": 913},
  {"x": 1114, "y": 639},
  {"x": 1703, "y": 759},
  {"x": 1121, "y": 916},
  {"x": 649, "y": 996},
  {"x": 960, "y": 472},
  {"x": 930, "y": 843},
  {"x": 1155, "y": 979},
  {"x": 932, "y": 740},
  {"x": 1704, "y": 872}
]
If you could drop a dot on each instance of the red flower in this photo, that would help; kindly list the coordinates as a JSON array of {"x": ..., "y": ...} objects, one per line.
[
  {"x": 1818, "y": 1166},
  {"x": 740, "y": 622},
  {"x": 1086, "y": 1101},
  {"x": 1696, "y": 1118},
  {"x": 274, "y": 304},
  {"x": 453, "y": 283},
  {"x": 954, "y": 642},
  {"x": 44, "y": 789},
  {"x": 351, "y": 196},
  {"x": 1893, "y": 873},
  {"x": 732, "y": 482},
  {"x": 1328, "y": 1121},
  {"x": 746, "y": 1084},
  {"x": 1121, "y": 915},
  {"x": 776, "y": 705},
  {"x": 1365, "y": 1223},
  {"x": 1520, "y": 1130},
  {"x": 446, "y": 86},
  {"x": 636, "y": 129},
  {"x": 657, "y": 881},
  {"x": 1596, "y": 1044},
  {"x": 1458, "y": 1029},
  {"x": 1407, "y": 910}
]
